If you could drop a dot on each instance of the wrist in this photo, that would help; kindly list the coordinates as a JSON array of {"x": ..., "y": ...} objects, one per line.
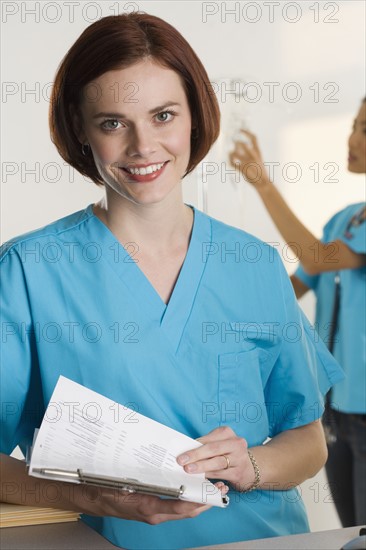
[
  {"x": 257, "y": 473},
  {"x": 265, "y": 186}
]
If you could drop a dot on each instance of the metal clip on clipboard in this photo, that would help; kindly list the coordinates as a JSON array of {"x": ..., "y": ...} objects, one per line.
[{"x": 123, "y": 484}]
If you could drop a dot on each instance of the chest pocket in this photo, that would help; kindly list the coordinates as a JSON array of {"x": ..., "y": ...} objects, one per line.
[{"x": 242, "y": 378}]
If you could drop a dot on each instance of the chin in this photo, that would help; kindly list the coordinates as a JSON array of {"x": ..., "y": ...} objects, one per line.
[
  {"x": 147, "y": 199},
  {"x": 356, "y": 169}
]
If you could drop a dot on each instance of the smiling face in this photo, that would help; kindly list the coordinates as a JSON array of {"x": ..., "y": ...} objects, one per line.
[
  {"x": 137, "y": 122},
  {"x": 357, "y": 143}
]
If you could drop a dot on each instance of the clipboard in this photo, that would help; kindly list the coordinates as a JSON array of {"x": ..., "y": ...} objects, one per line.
[
  {"x": 123, "y": 484},
  {"x": 135, "y": 457}
]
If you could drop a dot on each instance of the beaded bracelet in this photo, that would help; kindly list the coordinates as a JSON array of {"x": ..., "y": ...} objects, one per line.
[{"x": 257, "y": 473}]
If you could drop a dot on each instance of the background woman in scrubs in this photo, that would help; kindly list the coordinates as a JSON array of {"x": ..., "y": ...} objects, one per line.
[
  {"x": 337, "y": 275},
  {"x": 148, "y": 311}
]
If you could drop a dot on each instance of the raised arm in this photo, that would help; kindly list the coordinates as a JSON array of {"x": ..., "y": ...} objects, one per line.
[{"x": 315, "y": 256}]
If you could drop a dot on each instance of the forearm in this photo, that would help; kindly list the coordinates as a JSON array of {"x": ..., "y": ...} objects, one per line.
[
  {"x": 17, "y": 487},
  {"x": 315, "y": 256},
  {"x": 301, "y": 241},
  {"x": 291, "y": 457}
]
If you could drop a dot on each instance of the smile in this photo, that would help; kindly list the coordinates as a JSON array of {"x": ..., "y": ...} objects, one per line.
[
  {"x": 143, "y": 170},
  {"x": 145, "y": 173}
]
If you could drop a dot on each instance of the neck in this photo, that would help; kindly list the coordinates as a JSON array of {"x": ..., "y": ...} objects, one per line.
[{"x": 155, "y": 227}]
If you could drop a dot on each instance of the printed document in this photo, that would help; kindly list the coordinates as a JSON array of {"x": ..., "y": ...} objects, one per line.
[{"x": 86, "y": 437}]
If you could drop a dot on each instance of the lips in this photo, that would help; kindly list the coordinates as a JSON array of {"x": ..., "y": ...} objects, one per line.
[
  {"x": 144, "y": 173},
  {"x": 144, "y": 170},
  {"x": 351, "y": 158}
]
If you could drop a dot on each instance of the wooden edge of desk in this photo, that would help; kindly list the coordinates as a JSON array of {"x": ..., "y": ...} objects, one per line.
[{"x": 53, "y": 536}]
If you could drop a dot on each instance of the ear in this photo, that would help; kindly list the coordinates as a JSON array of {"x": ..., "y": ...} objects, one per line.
[
  {"x": 194, "y": 127},
  {"x": 77, "y": 124},
  {"x": 194, "y": 131}
]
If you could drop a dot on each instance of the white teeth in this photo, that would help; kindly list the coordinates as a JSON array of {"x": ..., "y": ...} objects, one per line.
[{"x": 143, "y": 171}]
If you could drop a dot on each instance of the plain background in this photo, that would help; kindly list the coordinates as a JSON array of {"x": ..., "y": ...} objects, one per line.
[{"x": 297, "y": 70}]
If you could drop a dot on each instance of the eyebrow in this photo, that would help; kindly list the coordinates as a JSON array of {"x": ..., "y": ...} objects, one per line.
[{"x": 151, "y": 112}]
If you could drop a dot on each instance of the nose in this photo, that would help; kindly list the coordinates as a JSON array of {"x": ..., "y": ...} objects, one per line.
[{"x": 141, "y": 142}]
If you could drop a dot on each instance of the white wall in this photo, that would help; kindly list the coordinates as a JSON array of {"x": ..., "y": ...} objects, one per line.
[{"x": 311, "y": 54}]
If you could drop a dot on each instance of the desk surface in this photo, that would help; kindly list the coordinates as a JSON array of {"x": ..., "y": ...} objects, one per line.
[
  {"x": 322, "y": 540},
  {"x": 56, "y": 536},
  {"x": 69, "y": 536}
]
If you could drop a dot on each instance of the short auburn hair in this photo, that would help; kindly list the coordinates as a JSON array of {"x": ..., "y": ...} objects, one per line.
[{"x": 119, "y": 41}]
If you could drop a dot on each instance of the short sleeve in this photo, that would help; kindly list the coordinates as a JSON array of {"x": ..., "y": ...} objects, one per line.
[
  {"x": 339, "y": 227},
  {"x": 356, "y": 239},
  {"x": 20, "y": 388},
  {"x": 310, "y": 281},
  {"x": 304, "y": 370}
]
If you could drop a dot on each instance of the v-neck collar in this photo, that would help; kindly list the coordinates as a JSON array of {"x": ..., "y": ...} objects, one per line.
[{"x": 172, "y": 317}]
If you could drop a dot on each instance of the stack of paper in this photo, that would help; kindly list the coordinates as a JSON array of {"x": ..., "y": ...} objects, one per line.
[{"x": 15, "y": 515}]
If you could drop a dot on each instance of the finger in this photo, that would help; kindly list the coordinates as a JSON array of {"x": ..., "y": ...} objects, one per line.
[
  {"x": 223, "y": 488},
  {"x": 253, "y": 139},
  {"x": 182, "y": 509},
  {"x": 185, "y": 508},
  {"x": 150, "y": 506},
  {"x": 239, "y": 144},
  {"x": 245, "y": 147},
  {"x": 160, "y": 518},
  {"x": 235, "y": 155},
  {"x": 221, "y": 441},
  {"x": 218, "y": 434},
  {"x": 235, "y": 163},
  {"x": 216, "y": 464},
  {"x": 233, "y": 160},
  {"x": 252, "y": 136},
  {"x": 206, "y": 451},
  {"x": 244, "y": 151},
  {"x": 238, "y": 161},
  {"x": 209, "y": 460}
]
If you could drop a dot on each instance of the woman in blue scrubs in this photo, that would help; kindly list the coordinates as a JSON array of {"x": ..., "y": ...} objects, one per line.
[
  {"x": 140, "y": 298},
  {"x": 337, "y": 275}
]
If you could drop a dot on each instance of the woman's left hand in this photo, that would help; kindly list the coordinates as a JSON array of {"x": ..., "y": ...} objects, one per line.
[{"x": 223, "y": 455}]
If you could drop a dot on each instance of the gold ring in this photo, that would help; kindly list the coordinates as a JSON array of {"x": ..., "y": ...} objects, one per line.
[{"x": 227, "y": 462}]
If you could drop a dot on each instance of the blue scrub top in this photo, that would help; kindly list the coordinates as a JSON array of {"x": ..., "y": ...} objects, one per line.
[
  {"x": 350, "y": 346},
  {"x": 231, "y": 348}
]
